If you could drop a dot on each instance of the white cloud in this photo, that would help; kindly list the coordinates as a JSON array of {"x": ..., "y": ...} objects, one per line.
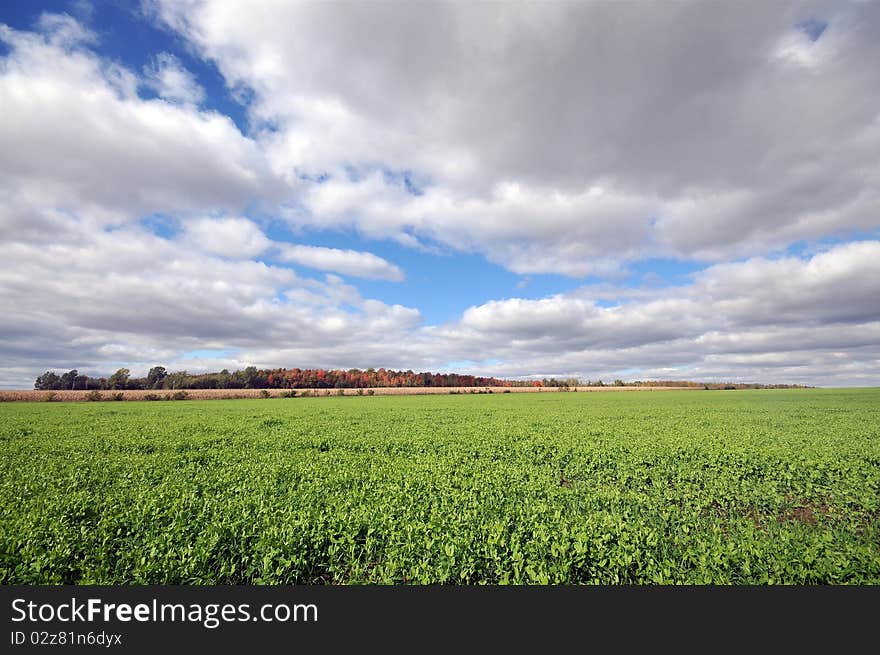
[
  {"x": 128, "y": 297},
  {"x": 523, "y": 229},
  {"x": 241, "y": 238},
  {"x": 838, "y": 286},
  {"x": 65, "y": 31},
  {"x": 347, "y": 262},
  {"x": 238, "y": 238},
  {"x": 76, "y": 137},
  {"x": 167, "y": 76},
  {"x": 814, "y": 320}
]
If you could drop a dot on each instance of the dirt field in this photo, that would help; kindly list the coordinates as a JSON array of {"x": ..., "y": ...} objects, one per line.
[{"x": 217, "y": 394}]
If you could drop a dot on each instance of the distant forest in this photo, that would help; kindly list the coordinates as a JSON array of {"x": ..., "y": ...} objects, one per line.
[{"x": 295, "y": 378}]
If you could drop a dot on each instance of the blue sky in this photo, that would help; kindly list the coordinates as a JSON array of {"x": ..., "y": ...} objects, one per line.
[
  {"x": 125, "y": 36},
  {"x": 271, "y": 180}
]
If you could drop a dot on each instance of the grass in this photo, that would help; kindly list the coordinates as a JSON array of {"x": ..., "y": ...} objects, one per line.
[{"x": 680, "y": 487}]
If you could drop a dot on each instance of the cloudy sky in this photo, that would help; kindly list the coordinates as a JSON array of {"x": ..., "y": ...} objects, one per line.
[{"x": 660, "y": 190}]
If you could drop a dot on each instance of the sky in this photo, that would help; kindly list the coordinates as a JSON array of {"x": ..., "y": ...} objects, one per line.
[{"x": 685, "y": 190}]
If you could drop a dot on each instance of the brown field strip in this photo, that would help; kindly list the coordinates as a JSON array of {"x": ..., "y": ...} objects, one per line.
[{"x": 220, "y": 394}]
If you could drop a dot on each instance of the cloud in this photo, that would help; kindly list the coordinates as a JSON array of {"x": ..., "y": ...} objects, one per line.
[
  {"x": 810, "y": 318},
  {"x": 241, "y": 238},
  {"x": 347, "y": 262},
  {"x": 237, "y": 238},
  {"x": 573, "y": 236},
  {"x": 96, "y": 301},
  {"x": 76, "y": 137},
  {"x": 167, "y": 76},
  {"x": 65, "y": 31},
  {"x": 728, "y": 132},
  {"x": 836, "y": 286}
]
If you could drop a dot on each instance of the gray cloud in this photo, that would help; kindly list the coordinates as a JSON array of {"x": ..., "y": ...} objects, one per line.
[{"x": 712, "y": 131}]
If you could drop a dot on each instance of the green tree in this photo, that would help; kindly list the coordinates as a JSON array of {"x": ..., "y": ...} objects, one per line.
[
  {"x": 155, "y": 377},
  {"x": 176, "y": 380},
  {"x": 48, "y": 381},
  {"x": 119, "y": 380},
  {"x": 253, "y": 378},
  {"x": 68, "y": 380}
]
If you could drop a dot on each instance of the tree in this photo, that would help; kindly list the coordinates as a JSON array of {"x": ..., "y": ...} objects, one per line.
[
  {"x": 119, "y": 380},
  {"x": 176, "y": 380},
  {"x": 68, "y": 380},
  {"x": 48, "y": 381},
  {"x": 224, "y": 379},
  {"x": 155, "y": 377},
  {"x": 253, "y": 378}
]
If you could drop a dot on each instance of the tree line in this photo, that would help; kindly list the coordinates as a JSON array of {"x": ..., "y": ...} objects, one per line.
[{"x": 253, "y": 378}]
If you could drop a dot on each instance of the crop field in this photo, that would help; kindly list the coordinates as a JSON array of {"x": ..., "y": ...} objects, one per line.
[
  {"x": 236, "y": 394},
  {"x": 729, "y": 487}
]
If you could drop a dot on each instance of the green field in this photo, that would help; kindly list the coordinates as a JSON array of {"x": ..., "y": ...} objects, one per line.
[{"x": 636, "y": 487}]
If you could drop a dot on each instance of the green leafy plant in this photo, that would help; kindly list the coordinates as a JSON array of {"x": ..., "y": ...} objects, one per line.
[{"x": 678, "y": 487}]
